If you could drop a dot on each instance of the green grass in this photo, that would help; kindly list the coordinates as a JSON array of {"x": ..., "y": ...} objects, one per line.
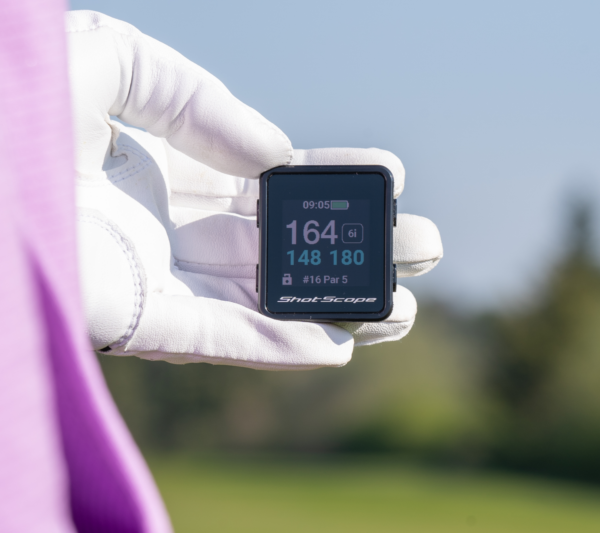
[{"x": 240, "y": 495}]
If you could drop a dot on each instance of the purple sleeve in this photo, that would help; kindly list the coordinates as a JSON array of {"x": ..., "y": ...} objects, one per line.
[{"x": 67, "y": 461}]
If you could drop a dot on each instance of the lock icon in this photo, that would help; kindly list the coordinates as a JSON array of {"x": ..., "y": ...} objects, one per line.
[{"x": 287, "y": 279}]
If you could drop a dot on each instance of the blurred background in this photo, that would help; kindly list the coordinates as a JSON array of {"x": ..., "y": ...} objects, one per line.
[{"x": 487, "y": 416}]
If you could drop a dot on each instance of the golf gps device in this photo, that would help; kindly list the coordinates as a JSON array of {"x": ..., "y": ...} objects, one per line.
[{"x": 326, "y": 243}]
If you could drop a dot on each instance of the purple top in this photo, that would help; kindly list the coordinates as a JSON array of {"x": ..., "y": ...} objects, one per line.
[{"x": 67, "y": 461}]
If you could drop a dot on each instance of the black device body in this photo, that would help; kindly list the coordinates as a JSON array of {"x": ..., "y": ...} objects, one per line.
[{"x": 326, "y": 237}]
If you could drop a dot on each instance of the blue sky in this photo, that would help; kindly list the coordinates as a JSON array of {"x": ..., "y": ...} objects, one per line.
[{"x": 492, "y": 107}]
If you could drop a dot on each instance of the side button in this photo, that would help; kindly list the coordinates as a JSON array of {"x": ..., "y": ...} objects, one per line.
[
  {"x": 258, "y": 216},
  {"x": 395, "y": 278},
  {"x": 257, "y": 278},
  {"x": 395, "y": 211}
]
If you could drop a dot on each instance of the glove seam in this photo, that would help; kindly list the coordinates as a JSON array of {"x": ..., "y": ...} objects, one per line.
[
  {"x": 133, "y": 34},
  {"x": 134, "y": 151},
  {"x": 137, "y": 274},
  {"x": 142, "y": 165}
]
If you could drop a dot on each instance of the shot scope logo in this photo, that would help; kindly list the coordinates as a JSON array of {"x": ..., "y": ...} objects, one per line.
[{"x": 325, "y": 299}]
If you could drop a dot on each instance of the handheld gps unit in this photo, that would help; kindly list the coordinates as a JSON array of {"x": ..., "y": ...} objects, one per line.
[{"x": 326, "y": 243}]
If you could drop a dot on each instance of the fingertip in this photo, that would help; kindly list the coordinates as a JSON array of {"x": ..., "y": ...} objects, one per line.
[
  {"x": 405, "y": 306},
  {"x": 417, "y": 245}
]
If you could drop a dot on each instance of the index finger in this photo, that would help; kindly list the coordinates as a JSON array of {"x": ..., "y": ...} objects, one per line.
[{"x": 117, "y": 70}]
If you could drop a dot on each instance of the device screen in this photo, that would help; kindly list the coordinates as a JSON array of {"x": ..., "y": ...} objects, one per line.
[{"x": 325, "y": 243}]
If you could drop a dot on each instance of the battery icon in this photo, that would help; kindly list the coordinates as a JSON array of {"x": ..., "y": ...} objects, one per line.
[{"x": 339, "y": 204}]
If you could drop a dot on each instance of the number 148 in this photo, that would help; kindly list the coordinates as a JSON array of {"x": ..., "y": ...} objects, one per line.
[{"x": 347, "y": 257}]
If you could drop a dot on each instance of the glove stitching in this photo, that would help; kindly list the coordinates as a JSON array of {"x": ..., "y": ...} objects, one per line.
[
  {"x": 135, "y": 151},
  {"x": 134, "y": 33},
  {"x": 130, "y": 255},
  {"x": 143, "y": 164}
]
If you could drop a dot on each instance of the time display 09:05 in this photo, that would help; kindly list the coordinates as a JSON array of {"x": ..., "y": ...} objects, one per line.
[{"x": 321, "y": 204}]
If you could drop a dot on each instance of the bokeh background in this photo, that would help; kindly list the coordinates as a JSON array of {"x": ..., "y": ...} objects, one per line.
[{"x": 487, "y": 416}]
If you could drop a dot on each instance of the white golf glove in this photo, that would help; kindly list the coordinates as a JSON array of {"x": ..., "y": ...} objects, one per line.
[{"x": 167, "y": 228}]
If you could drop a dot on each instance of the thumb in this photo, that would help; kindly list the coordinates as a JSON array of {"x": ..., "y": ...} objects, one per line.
[
  {"x": 189, "y": 329},
  {"x": 117, "y": 70}
]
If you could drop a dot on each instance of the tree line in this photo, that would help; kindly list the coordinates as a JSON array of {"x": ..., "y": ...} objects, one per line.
[{"x": 515, "y": 388}]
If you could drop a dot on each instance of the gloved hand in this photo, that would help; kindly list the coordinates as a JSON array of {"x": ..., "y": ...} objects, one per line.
[{"x": 167, "y": 230}]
